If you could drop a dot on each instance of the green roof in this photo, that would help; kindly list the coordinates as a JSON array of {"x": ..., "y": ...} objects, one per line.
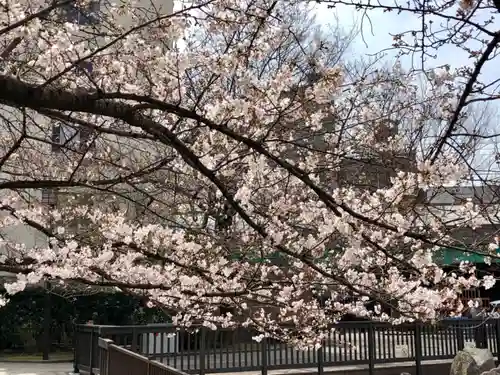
[
  {"x": 448, "y": 257},
  {"x": 254, "y": 258},
  {"x": 445, "y": 257}
]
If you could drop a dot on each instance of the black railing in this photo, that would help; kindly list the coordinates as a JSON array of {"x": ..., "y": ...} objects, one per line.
[
  {"x": 116, "y": 360},
  {"x": 224, "y": 350}
]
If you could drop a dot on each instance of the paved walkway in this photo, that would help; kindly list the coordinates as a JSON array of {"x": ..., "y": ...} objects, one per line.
[{"x": 12, "y": 368}]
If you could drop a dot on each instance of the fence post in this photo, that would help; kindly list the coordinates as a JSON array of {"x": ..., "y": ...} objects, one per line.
[
  {"x": 104, "y": 343},
  {"x": 371, "y": 348},
  {"x": 134, "y": 341},
  {"x": 497, "y": 333},
  {"x": 106, "y": 364},
  {"x": 203, "y": 337},
  {"x": 418, "y": 348},
  {"x": 47, "y": 319},
  {"x": 320, "y": 359},
  {"x": 91, "y": 357},
  {"x": 480, "y": 335},
  {"x": 264, "y": 356},
  {"x": 76, "y": 370},
  {"x": 459, "y": 332}
]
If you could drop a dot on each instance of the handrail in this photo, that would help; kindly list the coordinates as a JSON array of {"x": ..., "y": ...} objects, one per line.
[
  {"x": 127, "y": 352},
  {"x": 340, "y": 324},
  {"x": 165, "y": 367},
  {"x": 159, "y": 327},
  {"x": 104, "y": 343},
  {"x": 109, "y": 347},
  {"x": 109, "y": 330}
]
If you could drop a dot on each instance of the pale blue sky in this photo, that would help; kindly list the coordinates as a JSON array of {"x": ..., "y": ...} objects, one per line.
[{"x": 376, "y": 37}]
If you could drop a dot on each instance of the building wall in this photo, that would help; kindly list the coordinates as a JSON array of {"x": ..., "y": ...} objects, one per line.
[
  {"x": 20, "y": 234},
  {"x": 444, "y": 202},
  {"x": 459, "y": 194}
]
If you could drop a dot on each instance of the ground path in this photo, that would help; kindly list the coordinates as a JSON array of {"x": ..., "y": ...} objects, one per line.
[{"x": 14, "y": 368}]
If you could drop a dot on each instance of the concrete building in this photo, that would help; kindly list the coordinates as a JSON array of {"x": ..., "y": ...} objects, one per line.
[
  {"x": 445, "y": 202},
  {"x": 475, "y": 236}
]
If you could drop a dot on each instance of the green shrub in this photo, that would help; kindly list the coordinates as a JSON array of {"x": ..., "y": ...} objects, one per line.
[{"x": 21, "y": 320}]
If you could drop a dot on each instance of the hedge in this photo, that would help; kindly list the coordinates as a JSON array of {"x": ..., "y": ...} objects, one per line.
[{"x": 21, "y": 320}]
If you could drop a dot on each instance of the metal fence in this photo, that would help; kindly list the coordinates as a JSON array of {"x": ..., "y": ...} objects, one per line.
[
  {"x": 205, "y": 351},
  {"x": 116, "y": 360}
]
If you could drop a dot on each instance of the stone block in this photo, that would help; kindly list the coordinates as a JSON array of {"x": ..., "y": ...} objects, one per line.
[{"x": 472, "y": 361}]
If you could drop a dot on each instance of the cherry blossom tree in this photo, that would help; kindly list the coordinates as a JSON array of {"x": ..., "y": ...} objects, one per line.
[
  {"x": 224, "y": 186},
  {"x": 469, "y": 32}
]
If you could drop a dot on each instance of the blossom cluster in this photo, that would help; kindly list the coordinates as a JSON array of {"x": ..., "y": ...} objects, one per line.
[{"x": 214, "y": 181}]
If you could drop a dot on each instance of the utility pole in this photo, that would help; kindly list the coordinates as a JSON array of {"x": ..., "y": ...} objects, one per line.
[
  {"x": 47, "y": 320},
  {"x": 48, "y": 197}
]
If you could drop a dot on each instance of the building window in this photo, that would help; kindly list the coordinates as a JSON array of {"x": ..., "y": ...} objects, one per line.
[
  {"x": 84, "y": 68},
  {"x": 79, "y": 15},
  {"x": 72, "y": 137},
  {"x": 49, "y": 197}
]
